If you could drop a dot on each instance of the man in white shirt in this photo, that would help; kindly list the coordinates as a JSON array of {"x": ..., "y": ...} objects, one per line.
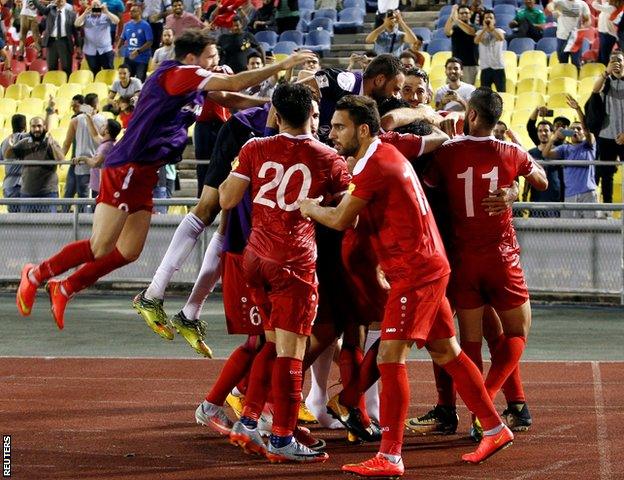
[
  {"x": 491, "y": 41},
  {"x": 455, "y": 94},
  {"x": 28, "y": 23},
  {"x": 166, "y": 51},
  {"x": 571, "y": 15},
  {"x": 606, "y": 29},
  {"x": 382, "y": 7}
]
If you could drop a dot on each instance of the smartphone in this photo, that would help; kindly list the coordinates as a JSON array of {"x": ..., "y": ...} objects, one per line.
[
  {"x": 549, "y": 113},
  {"x": 568, "y": 132},
  {"x": 96, "y": 9}
]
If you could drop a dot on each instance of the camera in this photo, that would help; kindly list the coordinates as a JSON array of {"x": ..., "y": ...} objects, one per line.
[
  {"x": 549, "y": 113},
  {"x": 390, "y": 14},
  {"x": 96, "y": 9}
]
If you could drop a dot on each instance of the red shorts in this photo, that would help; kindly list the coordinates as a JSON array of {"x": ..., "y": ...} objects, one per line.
[
  {"x": 242, "y": 315},
  {"x": 421, "y": 314},
  {"x": 291, "y": 296},
  {"x": 360, "y": 262},
  {"x": 491, "y": 280},
  {"x": 128, "y": 187}
]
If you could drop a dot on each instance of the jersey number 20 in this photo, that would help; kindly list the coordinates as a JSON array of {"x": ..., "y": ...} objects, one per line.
[{"x": 280, "y": 181}]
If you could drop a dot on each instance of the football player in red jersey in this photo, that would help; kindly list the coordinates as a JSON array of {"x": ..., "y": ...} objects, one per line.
[
  {"x": 485, "y": 252},
  {"x": 279, "y": 263},
  {"x": 410, "y": 252}
]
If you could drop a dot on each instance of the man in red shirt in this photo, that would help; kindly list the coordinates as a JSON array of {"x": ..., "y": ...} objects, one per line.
[
  {"x": 280, "y": 263},
  {"x": 408, "y": 246},
  {"x": 485, "y": 252}
]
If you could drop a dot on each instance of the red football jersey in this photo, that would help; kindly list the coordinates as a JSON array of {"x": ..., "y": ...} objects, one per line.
[
  {"x": 410, "y": 145},
  {"x": 404, "y": 234},
  {"x": 468, "y": 168},
  {"x": 284, "y": 170}
]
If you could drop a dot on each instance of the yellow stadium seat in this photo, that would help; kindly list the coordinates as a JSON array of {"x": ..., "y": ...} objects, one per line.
[
  {"x": 62, "y": 173},
  {"x": 117, "y": 62},
  {"x": 562, "y": 85},
  {"x": 55, "y": 77},
  {"x": 530, "y": 100},
  {"x": 590, "y": 70},
  {"x": 99, "y": 88},
  {"x": 557, "y": 100},
  {"x": 586, "y": 84},
  {"x": 106, "y": 76},
  {"x": 553, "y": 59},
  {"x": 510, "y": 85},
  {"x": 84, "y": 65},
  {"x": 568, "y": 113},
  {"x": 17, "y": 91},
  {"x": 520, "y": 117},
  {"x": 437, "y": 81},
  {"x": 8, "y": 106},
  {"x": 510, "y": 58},
  {"x": 1, "y": 91},
  {"x": 64, "y": 120},
  {"x": 533, "y": 57},
  {"x": 31, "y": 106},
  {"x": 509, "y": 100},
  {"x": 533, "y": 71},
  {"x": 43, "y": 91},
  {"x": 440, "y": 58},
  {"x": 81, "y": 76},
  {"x": 427, "y": 63},
  {"x": 562, "y": 70},
  {"x": 67, "y": 91},
  {"x": 524, "y": 138},
  {"x": 30, "y": 78},
  {"x": 531, "y": 85},
  {"x": 3, "y": 121},
  {"x": 506, "y": 118},
  {"x": 511, "y": 72}
]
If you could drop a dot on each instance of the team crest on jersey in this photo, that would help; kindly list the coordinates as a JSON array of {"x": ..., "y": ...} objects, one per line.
[
  {"x": 346, "y": 81},
  {"x": 351, "y": 187}
]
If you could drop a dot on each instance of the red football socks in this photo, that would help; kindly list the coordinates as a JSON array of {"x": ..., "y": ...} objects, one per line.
[
  {"x": 233, "y": 371},
  {"x": 504, "y": 361},
  {"x": 70, "y": 256},
  {"x": 469, "y": 383},
  {"x": 90, "y": 272},
  {"x": 259, "y": 381},
  {"x": 394, "y": 402},
  {"x": 447, "y": 395},
  {"x": 512, "y": 388},
  {"x": 350, "y": 364},
  {"x": 473, "y": 350},
  {"x": 287, "y": 386}
]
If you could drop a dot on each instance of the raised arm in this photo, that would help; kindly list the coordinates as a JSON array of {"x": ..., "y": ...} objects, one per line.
[
  {"x": 70, "y": 137},
  {"x": 237, "y": 100},
  {"x": 589, "y": 137},
  {"x": 409, "y": 35}
]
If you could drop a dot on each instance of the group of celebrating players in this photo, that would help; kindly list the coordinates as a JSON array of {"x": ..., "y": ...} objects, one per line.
[{"x": 319, "y": 243}]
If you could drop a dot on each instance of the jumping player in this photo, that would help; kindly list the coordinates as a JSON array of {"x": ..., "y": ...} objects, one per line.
[
  {"x": 279, "y": 263},
  {"x": 408, "y": 246},
  {"x": 157, "y": 135}
]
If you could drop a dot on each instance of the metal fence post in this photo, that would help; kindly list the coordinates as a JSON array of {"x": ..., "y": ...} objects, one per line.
[{"x": 76, "y": 218}]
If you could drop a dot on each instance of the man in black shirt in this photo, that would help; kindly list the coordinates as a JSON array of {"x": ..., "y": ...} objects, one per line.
[
  {"x": 462, "y": 34},
  {"x": 236, "y": 45}
]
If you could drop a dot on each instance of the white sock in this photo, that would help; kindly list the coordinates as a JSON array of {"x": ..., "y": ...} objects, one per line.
[
  {"x": 372, "y": 394},
  {"x": 183, "y": 241},
  {"x": 207, "y": 279},
  {"x": 494, "y": 430},
  {"x": 317, "y": 398},
  {"x": 392, "y": 458},
  {"x": 236, "y": 392}
]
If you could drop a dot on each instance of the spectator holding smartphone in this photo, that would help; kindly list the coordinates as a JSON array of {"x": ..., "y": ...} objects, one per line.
[
  {"x": 580, "y": 185},
  {"x": 491, "y": 41},
  {"x": 393, "y": 36},
  {"x": 455, "y": 94},
  {"x": 462, "y": 33},
  {"x": 98, "y": 47}
]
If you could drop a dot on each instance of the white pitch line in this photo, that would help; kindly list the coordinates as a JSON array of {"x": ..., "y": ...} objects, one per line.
[
  {"x": 601, "y": 424},
  {"x": 543, "y": 471}
]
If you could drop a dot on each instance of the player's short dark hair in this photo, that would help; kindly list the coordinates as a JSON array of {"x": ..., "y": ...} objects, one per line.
[
  {"x": 503, "y": 124},
  {"x": 419, "y": 127},
  {"x": 254, "y": 54},
  {"x": 385, "y": 64},
  {"x": 488, "y": 104},
  {"x": 453, "y": 60},
  {"x": 391, "y": 103},
  {"x": 91, "y": 99},
  {"x": 123, "y": 65},
  {"x": 362, "y": 111},
  {"x": 417, "y": 72},
  {"x": 18, "y": 123},
  {"x": 293, "y": 103},
  {"x": 113, "y": 128},
  {"x": 192, "y": 41},
  {"x": 545, "y": 122},
  {"x": 78, "y": 98}
]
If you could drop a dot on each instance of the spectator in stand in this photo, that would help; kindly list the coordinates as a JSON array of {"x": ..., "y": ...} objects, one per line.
[
  {"x": 462, "y": 34},
  {"x": 38, "y": 181},
  {"x": 155, "y": 12},
  {"x": 580, "y": 185},
  {"x": 571, "y": 15},
  {"x": 528, "y": 22},
  {"x": 117, "y": 8},
  {"x": 607, "y": 32},
  {"x": 264, "y": 18},
  {"x": 265, "y": 89},
  {"x": 60, "y": 36},
  {"x": 554, "y": 173},
  {"x": 165, "y": 52},
  {"x": 500, "y": 130},
  {"x": 558, "y": 122},
  {"x": 286, "y": 15},
  {"x": 11, "y": 185},
  {"x": 126, "y": 109},
  {"x": 78, "y": 135},
  {"x": 359, "y": 61},
  {"x": 179, "y": 20},
  {"x": 477, "y": 11},
  {"x": 393, "y": 36},
  {"x": 236, "y": 45},
  {"x": 136, "y": 40},
  {"x": 97, "y": 47},
  {"x": 611, "y": 135},
  {"x": 28, "y": 23},
  {"x": 125, "y": 85},
  {"x": 383, "y": 6},
  {"x": 455, "y": 94},
  {"x": 409, "y": 60},
  {"x": 491, "y": 41},
  {"x": 331, "y": 4}
]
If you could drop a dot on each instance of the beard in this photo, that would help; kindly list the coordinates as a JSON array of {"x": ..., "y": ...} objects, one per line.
[{"x": 38, "y": 138}]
